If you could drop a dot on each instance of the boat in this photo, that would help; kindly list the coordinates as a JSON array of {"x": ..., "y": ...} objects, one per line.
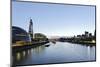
[
  {"x": 47, "y": 45},
  {"x": 54, "y": 42}
]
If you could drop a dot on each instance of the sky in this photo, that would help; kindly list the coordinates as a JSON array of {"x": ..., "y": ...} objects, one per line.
[{"x": 54, "y": 19}]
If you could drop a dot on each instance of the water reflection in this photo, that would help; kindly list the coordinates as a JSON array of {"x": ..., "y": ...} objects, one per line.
[
  {"x": 18, "y": 57},
  {"x": 55, "y": 53},
  {"x": 88, "y": 52},
  {"x": 23, "y": 54}
]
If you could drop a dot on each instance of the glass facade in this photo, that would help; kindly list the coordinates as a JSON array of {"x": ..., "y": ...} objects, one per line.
[{"x": 19, "y": 34}]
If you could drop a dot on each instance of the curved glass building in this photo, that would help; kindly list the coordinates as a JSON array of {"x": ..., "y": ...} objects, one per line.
[{"x": 19, "y": 34}]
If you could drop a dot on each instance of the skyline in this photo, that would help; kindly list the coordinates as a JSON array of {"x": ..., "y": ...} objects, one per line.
[{"x": 54, "y": 19}]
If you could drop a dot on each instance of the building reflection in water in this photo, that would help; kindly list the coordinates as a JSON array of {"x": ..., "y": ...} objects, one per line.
[
  {"x": 23, "y": 53},
  {"x": 88, "y": 52},
  {"x": 91, "y": 52},
  {"x": 21, "y": 56},
  {"x": 18, "y": 57}
]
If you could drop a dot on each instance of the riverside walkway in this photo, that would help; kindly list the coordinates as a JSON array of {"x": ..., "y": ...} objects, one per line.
[{"x": 25, "y": 47}]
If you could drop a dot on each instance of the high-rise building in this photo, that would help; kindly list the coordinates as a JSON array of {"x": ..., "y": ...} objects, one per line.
[{"x": 31, "y": 29}]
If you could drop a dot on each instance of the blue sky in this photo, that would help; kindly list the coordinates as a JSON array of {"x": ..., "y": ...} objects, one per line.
[{"x": 54, "y": 19}]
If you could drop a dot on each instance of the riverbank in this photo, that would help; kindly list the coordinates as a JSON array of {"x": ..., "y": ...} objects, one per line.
[
  {"x": 85, "y": 43},
  {"x": 25, "y": 47}
]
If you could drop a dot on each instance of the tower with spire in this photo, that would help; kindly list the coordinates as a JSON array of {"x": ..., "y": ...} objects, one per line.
[{"x": 31, "y": 29}]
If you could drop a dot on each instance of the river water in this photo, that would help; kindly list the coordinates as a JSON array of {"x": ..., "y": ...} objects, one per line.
[{"x": 60, "y": 52}]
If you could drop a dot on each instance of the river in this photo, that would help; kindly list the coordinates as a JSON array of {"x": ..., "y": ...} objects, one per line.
[{"x": 60, "y": 52}]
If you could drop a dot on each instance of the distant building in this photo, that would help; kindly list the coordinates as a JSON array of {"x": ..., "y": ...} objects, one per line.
[
  {"x": 83, "y": 35},
  {"x": 90, "y": 34},
  {"x": 19, "y": 34},
  {"x": 79, "y": 36},
  {"x": 86, "y": 34}
]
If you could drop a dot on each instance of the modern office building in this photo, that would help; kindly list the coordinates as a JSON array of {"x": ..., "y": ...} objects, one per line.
[{"x": 19, "y": 34}]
